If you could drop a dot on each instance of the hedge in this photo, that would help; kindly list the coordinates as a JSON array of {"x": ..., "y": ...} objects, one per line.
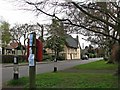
[
  {"x": 22, "y": 58},
  {"x": 10, "y": 58},
  {"x": 47, "y": 57}
]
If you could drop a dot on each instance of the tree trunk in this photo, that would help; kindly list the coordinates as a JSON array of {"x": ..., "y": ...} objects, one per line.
[
  {"x": 117, "y": 59},
  {"x": 110, "y": 60},
  {"x": 55, "y": 59},
  {"x": 57, "y": 54},
  {"x": 110, "y": 57}
]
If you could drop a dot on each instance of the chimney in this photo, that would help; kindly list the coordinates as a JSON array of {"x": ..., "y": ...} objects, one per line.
[{"x": 77, "y": 38}]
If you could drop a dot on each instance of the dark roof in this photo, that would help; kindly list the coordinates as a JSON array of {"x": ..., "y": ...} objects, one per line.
[{"x": 71, "y": 42}]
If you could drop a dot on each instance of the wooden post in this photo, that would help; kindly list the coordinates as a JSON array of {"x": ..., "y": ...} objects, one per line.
[{"x": 32, "y": 62}]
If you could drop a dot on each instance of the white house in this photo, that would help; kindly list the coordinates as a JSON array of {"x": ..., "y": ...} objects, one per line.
[{"x": 71, "y": 48}]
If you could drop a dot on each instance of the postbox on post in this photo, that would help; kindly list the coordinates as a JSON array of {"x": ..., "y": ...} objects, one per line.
[
  {"x": 27, "y": 51},
  {"x": 39, "y": 50}
]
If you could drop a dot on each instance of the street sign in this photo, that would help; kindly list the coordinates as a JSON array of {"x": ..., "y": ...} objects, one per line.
[
  {"x": 31, "y": 60},
  {"x": 31, "y": 40},
  {"x": 31, "y": 56}
]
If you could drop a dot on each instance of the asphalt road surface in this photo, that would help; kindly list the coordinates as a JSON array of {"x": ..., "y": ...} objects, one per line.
[{"x": 7, "y": 70}]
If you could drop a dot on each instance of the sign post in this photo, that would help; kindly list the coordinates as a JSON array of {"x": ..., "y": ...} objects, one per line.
[{"x": 32, "y": 62}]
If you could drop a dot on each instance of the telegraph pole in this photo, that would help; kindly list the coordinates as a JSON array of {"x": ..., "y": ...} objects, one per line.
[{"x": 32, "y": 62}]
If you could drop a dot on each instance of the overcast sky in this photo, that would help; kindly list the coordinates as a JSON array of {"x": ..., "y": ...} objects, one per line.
[{"x": 11, "y": 14}]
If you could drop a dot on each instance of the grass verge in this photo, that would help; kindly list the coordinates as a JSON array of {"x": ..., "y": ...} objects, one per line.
[
  {"x": 73, "y": 79},
  {"x": 98, "y": 65}
]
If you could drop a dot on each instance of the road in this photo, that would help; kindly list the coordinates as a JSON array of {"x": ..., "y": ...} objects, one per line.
[{"x": 7, "y": 71}]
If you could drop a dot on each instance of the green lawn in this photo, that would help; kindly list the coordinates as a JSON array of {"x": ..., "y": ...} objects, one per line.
[
  {"x": 67, "y": 79},
  {"x": 98, "y": 65}
]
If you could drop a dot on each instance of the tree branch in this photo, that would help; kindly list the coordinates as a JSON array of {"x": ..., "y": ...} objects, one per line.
[
  {"x": 91, "y": 29},
  {"x": 92, "y": 16}
]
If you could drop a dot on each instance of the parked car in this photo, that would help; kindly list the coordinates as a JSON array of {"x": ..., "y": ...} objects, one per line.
[{"x": 85, "y": 57}]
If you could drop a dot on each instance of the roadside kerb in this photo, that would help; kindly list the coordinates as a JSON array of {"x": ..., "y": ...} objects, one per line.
[{"x": 23, "y": 64}]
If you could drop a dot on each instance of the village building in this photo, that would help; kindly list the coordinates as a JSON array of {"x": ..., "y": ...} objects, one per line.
[
  {"x": 71, "y": 48},
  {"x": 10, "y": 49}
]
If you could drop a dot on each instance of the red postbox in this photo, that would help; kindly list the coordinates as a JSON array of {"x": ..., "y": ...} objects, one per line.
[
  {"x": 39, "y": 50},
  {"x": 27, "y": 51}
]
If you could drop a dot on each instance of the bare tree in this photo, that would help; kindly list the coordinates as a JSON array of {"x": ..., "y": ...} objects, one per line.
[
  {"x": 92, "y": 13},
  {"x": 23, "y": 30},
  {"x": 102, "y": 18}
]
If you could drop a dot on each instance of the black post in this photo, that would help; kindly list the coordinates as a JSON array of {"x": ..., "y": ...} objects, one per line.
[
  {"x": 55, "y": 69},
  {"x": 55, "y": 62},
  {"x": 16, "y": 69}
]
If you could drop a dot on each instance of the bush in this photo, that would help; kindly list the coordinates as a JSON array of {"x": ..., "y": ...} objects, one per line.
[
  {"x": 60, "y": 58},
  {"x": 92, "y": 55},
  {"x": 105, "y": 58},
  {"x": 47, "y": 57},
  {"x": 10, "y": 58},
  {"x": 7, "y": 58},
  {"x": 22, "y": 58}
]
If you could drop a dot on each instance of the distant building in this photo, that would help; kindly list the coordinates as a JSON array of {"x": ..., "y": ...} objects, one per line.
[
  {"x": 71, "y": 48},
  {"x": 10, "y": 49}
]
